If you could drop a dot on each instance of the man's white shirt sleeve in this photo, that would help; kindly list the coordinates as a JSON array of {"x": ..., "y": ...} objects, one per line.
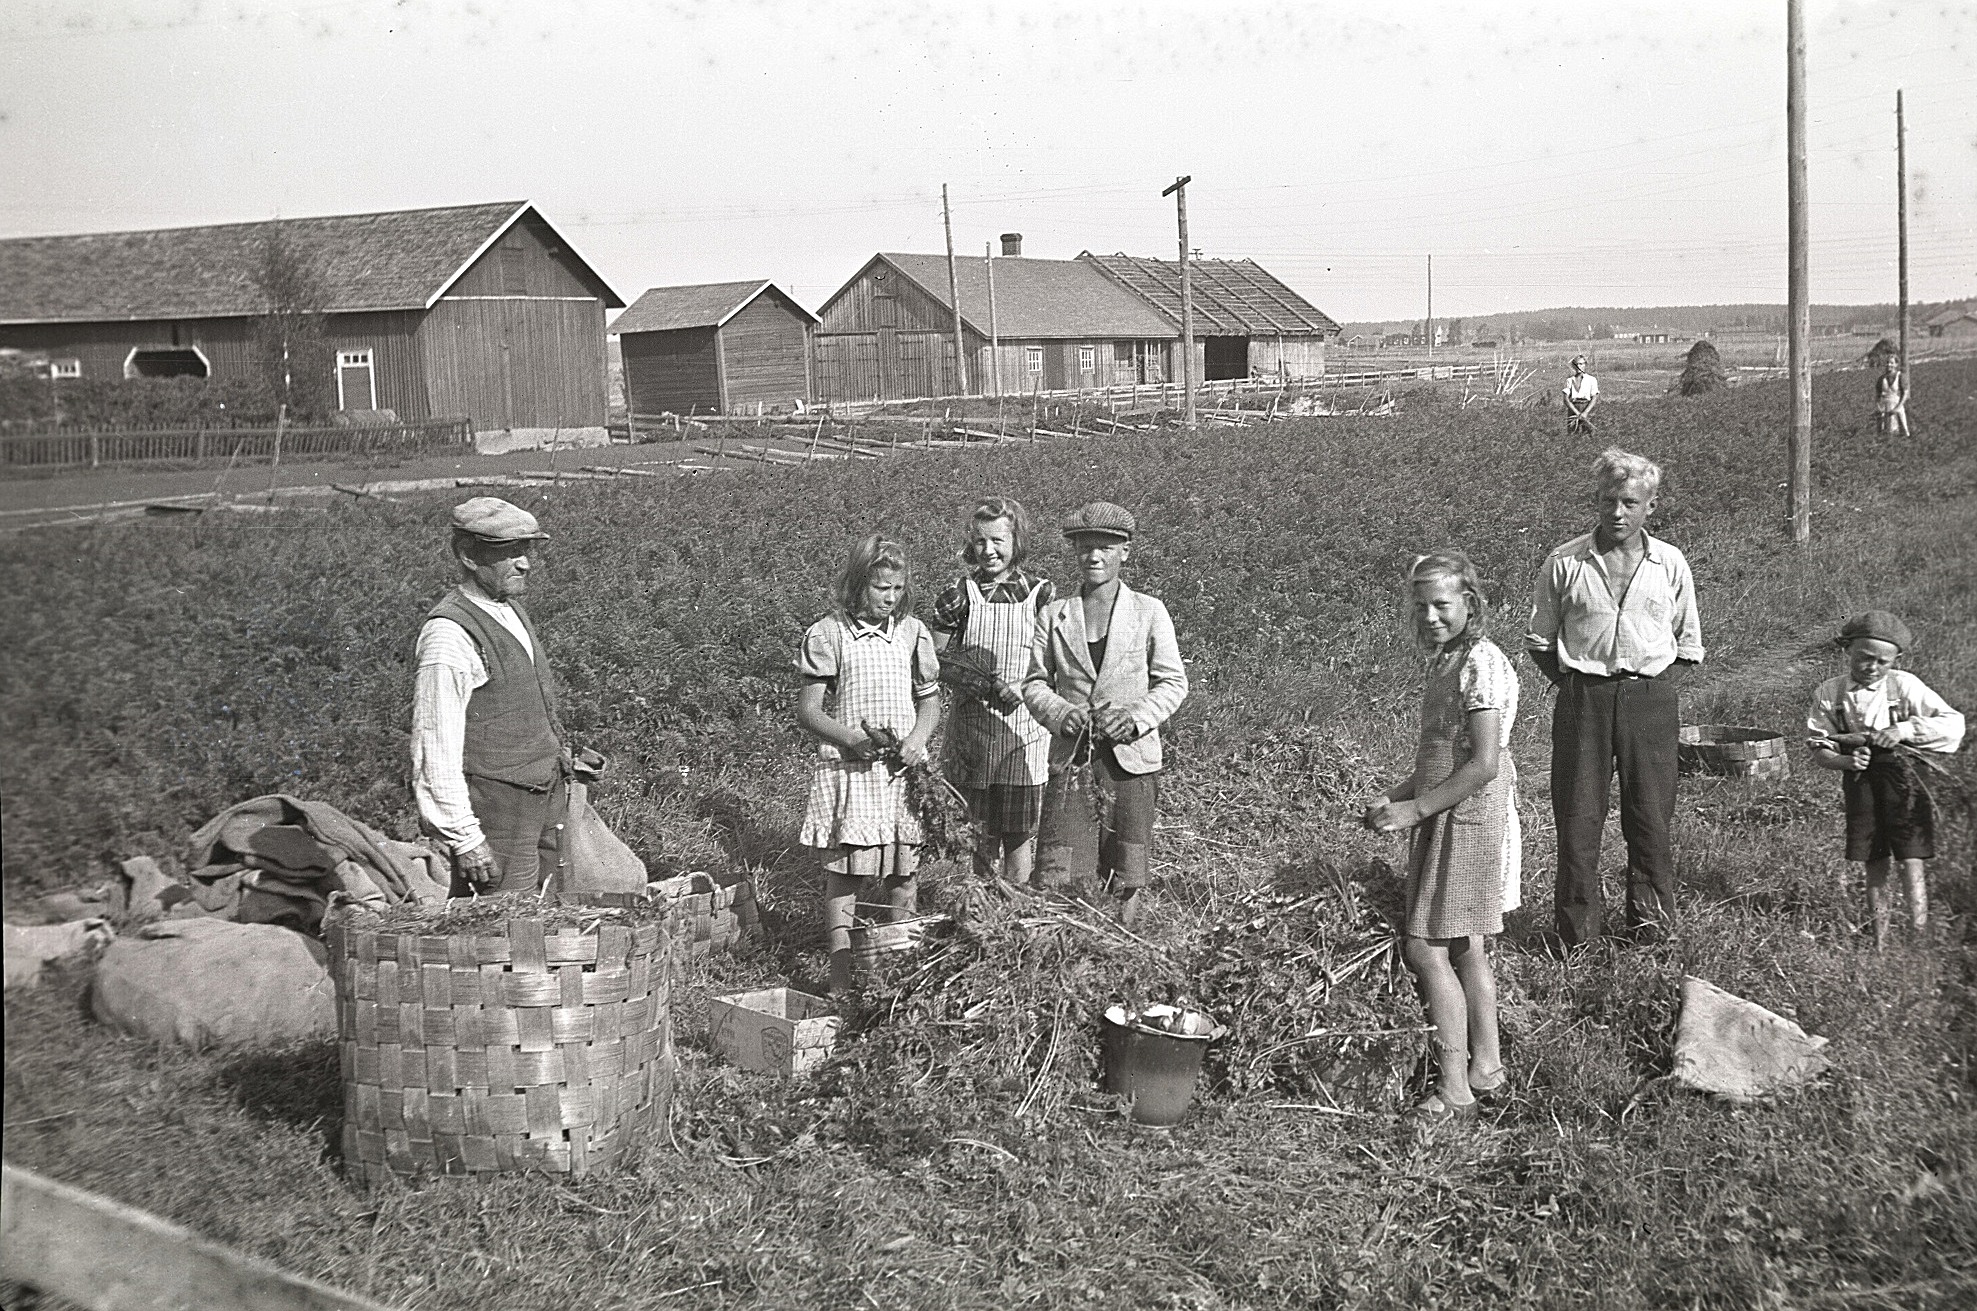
[{"x": 449, "y": 669}]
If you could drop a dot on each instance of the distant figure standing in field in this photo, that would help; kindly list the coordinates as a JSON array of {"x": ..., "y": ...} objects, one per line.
[
  {"x": 1871, "y": 723},
  {"x": 997, "y": 753},
  {"x": 1614, "y": 626},
  {"x": 1459, "y": 806},
  {"x": 1581, "y": 392},
  {"x": 871, "y": 697},
  {"x": 1891, "y": 399},
  {"x": 1105, "y": 673},
  {"x": 488, "y": 766}
]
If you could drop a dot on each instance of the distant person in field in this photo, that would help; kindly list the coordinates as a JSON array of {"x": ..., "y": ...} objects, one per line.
[
  {"x": 1874, "y": 723},
  {"x": 870, "y": 695},
  {"x": 997, "y": 753},
  {"x": 489, "y": 769},
  {"x": 1105, "y": 673},
  {"x": 1614, "y": 627},
  {"x": 1891, "y": 399},
  {"x": 1581, "y": 392},
  {"x": 1459, "y": 809}
]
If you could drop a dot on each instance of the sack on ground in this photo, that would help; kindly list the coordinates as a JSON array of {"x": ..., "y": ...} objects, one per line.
[
  {"x": 30, "y": 946},
  {"x": 596, "y": 860},
  {"x": 1737, "y": 1049},
  {"x": 209, "y": 982}
]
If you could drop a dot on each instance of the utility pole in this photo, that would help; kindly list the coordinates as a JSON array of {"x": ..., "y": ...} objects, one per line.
[
  {"x": 1799, "y": 317},
  {"x": 954, "y": 295},
  {"x": 995, "y": 337},
  {"x": 1179, "y": 191},
  {"x": 1901, "y": 220},
  {"x": 1430, "y": 333}
]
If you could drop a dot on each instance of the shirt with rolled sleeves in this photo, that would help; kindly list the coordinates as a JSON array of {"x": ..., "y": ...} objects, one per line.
[{"x": 1649, "y": 626}]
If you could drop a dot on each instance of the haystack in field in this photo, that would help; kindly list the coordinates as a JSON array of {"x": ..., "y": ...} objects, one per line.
[{"x": 1704, "y": 371}]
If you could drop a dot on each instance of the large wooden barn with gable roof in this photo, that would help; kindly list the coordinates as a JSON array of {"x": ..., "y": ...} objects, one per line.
[
  {"x": 1093, "y": 321},
  {"x": 715, "y": 348},
  {"x": 477, "y": 310}
]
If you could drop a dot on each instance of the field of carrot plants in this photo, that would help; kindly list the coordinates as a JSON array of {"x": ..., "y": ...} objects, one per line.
[{"x": 956, "y": 1153}]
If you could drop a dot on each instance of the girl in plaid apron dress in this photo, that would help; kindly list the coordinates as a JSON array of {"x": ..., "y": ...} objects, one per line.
[
  {"x": 874, "y": 663},
  {"x": 1460, "y": 804},
  {"x": 997, "y": 754}
]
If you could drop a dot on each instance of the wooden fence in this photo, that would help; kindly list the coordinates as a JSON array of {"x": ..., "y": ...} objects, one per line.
[{"x": 72, "y": 448}]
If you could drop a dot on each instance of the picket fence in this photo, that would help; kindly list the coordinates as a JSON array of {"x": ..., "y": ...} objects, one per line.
[{"x": 73, "y": 448}]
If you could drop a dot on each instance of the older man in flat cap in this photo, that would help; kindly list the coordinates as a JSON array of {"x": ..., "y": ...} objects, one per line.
[{"x": 488, "y": 765}]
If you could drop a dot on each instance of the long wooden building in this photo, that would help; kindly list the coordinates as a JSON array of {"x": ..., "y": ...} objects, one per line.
[
  {"x": 484, "y": 311},
  {"x": 715, "y": 348},
  {"x": 1094, "y": 321}
]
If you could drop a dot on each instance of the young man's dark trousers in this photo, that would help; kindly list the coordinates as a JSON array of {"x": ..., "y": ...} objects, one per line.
[{"x": 1602, "y": 723}]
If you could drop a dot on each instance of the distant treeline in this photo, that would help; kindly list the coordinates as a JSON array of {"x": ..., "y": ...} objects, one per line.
[{"x": 1680, "y": 322}]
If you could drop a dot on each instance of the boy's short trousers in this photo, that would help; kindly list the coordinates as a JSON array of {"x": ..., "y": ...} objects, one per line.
[
  {"x": 1072, "y": 839},
  {"x": 1888, "y": 810},
  {"x": 1006, "y": 809}
]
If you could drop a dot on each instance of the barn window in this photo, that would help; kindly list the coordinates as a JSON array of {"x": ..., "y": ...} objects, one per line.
[
  {"x": 65, "y": 368},
  {"x": 167, "y": 362},
  {"x": 1033, "y": 358},
  {"x": 1087, "y": 359}
]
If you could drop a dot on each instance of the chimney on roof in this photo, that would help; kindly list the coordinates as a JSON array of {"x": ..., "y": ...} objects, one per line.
[{"x": 1012, "y": 245}]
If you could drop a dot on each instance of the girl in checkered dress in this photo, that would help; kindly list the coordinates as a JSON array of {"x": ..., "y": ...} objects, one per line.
[
  {"x": 868, "y": 665},
  {"x": 1460, "y": 807}
]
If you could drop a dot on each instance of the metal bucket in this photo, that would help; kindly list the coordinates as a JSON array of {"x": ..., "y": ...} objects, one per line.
[{"x": 1150, "y": 1064}]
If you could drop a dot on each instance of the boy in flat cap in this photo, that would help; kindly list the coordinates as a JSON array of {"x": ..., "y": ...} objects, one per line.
[
  {"x": 488, "y": 766},
  {"x": 1871, "y": 723},
  {"x": 1105, "y": 674}
]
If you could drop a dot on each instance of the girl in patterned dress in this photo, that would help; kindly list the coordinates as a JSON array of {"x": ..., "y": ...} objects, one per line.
[
  {"x": 868, "y": 665},
  {"x": 1460, "y": 806},
  {"x": 997, "y": 754}
]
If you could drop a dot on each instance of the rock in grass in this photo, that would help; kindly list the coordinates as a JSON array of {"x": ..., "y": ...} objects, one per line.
[
  {"x": 1737, "y": 1049},
  {"x": 214, "y": 983}
]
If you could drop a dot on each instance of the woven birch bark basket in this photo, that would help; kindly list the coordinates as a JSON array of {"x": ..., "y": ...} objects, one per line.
[{"x": 525, "y": 1046}]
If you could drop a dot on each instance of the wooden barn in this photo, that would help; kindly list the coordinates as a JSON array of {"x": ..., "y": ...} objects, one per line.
[
  {"x": 720, "y": 348},
  {"x": 889, "y": 332},
  {"x": 477, "y": 310},
  {"x": 1246, "y": 322},
  {"x": 1958, "y": 321}
]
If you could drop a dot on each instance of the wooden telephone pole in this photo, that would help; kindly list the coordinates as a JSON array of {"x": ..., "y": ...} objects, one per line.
[
  {"x": 1901, "y": 221},
  {"x": 995, "y": 337},
  {"x": 1179, "y": 191},
  {"x": 1430, "y": 325},
  {"x": 1799, "y": 314},
  {"x": 954, "y": 297}
]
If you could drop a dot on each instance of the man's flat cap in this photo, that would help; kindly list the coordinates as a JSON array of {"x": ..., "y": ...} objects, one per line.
[
  {"x": 1100, "y": 519},
  {"x": 1877, "y": 623},
  {"x": 494, "y": 520}
]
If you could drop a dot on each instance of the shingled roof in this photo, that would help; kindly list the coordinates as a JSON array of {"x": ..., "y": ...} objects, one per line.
[
  {"x": 398, "y": 260},
  {"x": 1232, "y": 297},
  {"x": 1036, "y": 298},
  {"x": 705, "y": 305}
]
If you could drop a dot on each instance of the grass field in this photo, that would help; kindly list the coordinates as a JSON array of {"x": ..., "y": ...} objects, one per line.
[{"x": 956, "y": 1155}]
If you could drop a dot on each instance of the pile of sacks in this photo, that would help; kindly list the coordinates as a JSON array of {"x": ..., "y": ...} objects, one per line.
[{"x": 227, "y": 955}]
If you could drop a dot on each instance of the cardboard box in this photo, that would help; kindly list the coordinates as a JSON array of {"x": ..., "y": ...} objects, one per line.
[{"x": 773, "y": 1031}]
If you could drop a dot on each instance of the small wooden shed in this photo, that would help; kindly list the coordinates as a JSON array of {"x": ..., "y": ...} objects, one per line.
[{"x": 716, "y": 348}]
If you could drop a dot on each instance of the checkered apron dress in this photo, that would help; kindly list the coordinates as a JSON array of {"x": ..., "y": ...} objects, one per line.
[
  {"x": 987, "y": 746},
  {"x": 1456, "y": 862},
  {"x": 862, "y": 803}
]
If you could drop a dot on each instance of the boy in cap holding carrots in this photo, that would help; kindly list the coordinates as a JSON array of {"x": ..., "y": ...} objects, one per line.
[
  {"x": 1872, "y": 723},
  {"x": 1105, "y": 673},
  {"x": 488, "y": 766}
]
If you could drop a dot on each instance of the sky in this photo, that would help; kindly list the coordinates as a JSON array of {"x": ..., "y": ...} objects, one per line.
[{"x": 1551, "y": 154}]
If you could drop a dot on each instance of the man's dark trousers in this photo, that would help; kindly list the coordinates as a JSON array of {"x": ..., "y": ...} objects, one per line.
[
  {"x": 1599, "y": 723},
  {"x": 524, "y": 828}
]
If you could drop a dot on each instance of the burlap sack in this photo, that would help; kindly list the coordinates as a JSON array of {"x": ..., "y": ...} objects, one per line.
[
  {"x": 598, "y": 861},
  {"x": 1737, "y": 1049},
  {"x": 208, "y": 982}
]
